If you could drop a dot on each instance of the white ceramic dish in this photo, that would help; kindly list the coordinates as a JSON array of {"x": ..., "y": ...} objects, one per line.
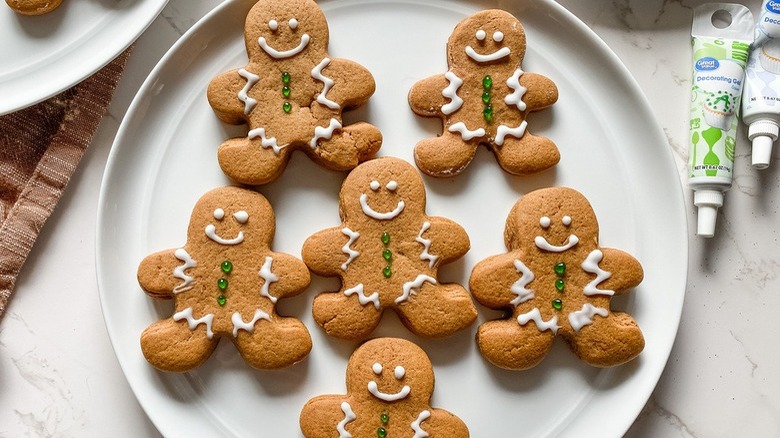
[
  {"x": 44, "y": 55},
  {"x": 612, "y": 149}
]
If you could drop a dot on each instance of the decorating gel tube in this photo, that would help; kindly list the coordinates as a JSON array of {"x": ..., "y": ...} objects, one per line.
[
  {"x": 761, "y": 104},
  {"x": 722, "y": 33}
]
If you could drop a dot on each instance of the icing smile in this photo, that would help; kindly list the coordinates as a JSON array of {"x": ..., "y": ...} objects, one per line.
[
  {"x": 544, "y": 245},
  {"x": 374, "y": 390},
  {"x": 370, "y": 212},
  {"x": 211, "y": 232},
  {"x": 498, "y": 54},
  {"x": 286, "y": 53}
]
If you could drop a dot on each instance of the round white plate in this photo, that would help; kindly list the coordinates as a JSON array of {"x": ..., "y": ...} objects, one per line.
[
  {"x": 612, "y": 150},
  {"x": 44, "y": 55}
]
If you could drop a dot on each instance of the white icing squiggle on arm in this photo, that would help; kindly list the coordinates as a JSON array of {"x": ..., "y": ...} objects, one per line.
[
  {"x": 466, "y": 133},
  {"x": 266, "y": 142},
  {"x": 581, "y": 318},
  {"x": 519, "y": 287},
  {"x": 243, "y": 96},
  {"x": 417, "y": 424},
  {"x": 426, "y": 243},
  {"x": 186, "y": 314},
  {"x": 516, "y": 98},
  {"x": 349, "y": 416},
  {"x": 536, "y": 316},
  {"x": 239, "y": 324},
  {"x": 325, "y": 132},
  {"x": 327, "y": 82},
  {"x": 591, "y": 266},
  {"x": 362, "y": 298},
  {"x": 178, "y": 271},
  {"x": 411, "y": 286},
  {"x": 347, "y": 248},
  {"x": 268, "y": 277},
  {"x": 451, "y": 92}
]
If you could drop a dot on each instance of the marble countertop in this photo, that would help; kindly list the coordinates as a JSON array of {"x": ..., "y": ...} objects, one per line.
[{"x": 60, "y": 376}]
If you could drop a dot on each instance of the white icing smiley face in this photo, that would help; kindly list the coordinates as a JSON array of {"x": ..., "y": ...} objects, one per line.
[
  {"x": 219, "y": 214},
  {"x": 501, "y": 52},
  {"x": 274, "y": 26},
  {"x": 542, "y": 243},
  {"x": 391, "y": 186},
  {"x": 399, "y": 372}
]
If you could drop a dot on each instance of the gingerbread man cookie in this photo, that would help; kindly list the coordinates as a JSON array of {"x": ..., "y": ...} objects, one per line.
[
  {"x": 33, "y": 7},
  {"x": 225, "y": 282},
  {"x": 387, "y": 253},
  {"x": 556, "y": 280},
  {"x": 389, "y": 388},
  {"x": 484, "y": 98},
  {"x": 291, "y": 94}
]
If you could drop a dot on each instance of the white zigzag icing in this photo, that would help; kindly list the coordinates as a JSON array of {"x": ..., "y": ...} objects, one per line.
[
  {"x": 186, "y": 314},
  {"x": 451, "y": 92},
  {"x": 591, "y": 266},
  {"x": 410, "y": 286},
  {"x": 426, "y": 243},
  {"x": 239, "y": 324},
  {"x": 519, "y": 287},
  {"x": 327, "y": 82},
  {"x": 269, "y": 277},
  {"x": 581, "y": 318},
  {"x": 362, "y": 298},
  {"x": 536, "y": 316},
  {"x": 347, "y": 248},
  {"x": 179, "y": 273},
  {"x": 243, "y": 95}
]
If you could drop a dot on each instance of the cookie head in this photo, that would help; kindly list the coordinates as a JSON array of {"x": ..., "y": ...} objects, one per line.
[
  {"x": 390, "y": 370},
  {"x": 488, "y": 38},
  {"x": 285, "y": 29},
  {"x": 384, "y": 189},
  {"x": 552, "y": 220},
  {"x": 232, "y": 217}
]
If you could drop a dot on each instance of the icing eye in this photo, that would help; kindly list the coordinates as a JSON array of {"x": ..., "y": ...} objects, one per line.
[
  {"x": 375, "y": 185},
  {"x": 498, "y": 36},
  {"x": 566, "y": 220},
  {"x": 400, "y": 372},
  {"x": 377, "y": 368},
  {"x": 392, "y": 185},
  {"x": 293, "y": 23},
  {"x": 219, "y": 214},
  {"x": 241, "y": 216},
  {"x": 544, "y": 222},
  {"x": 481, "y": 35},
  {"x": 273, "y": 25}
]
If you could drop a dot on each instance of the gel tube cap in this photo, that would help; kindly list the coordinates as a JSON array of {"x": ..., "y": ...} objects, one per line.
[
  {"x": 707, "y": 202},
  {"x": 763, "y": 134}
]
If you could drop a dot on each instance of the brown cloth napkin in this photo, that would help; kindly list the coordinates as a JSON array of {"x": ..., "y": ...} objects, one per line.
[{"x": 40, "y": 147}]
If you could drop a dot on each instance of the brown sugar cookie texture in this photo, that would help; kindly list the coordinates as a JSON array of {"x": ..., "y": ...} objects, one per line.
[
  {"x": 291, "y": 94},
  {"x": 389, "y": 387},
  {"x": 387, "y": 252},
  {"x": 556, "y": 280},
  {"x": 225, "y": 282},
  {"x": 33, "y": 7},
  {"x": 484, "y": 98}
]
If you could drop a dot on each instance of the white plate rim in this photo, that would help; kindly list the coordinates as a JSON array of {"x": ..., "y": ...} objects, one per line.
[{"x": 620, "y": 424}]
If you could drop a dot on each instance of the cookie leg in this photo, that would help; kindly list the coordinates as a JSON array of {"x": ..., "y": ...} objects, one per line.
[
  {"x": 445, "y": 155},
  {"x": 274, "y": 344},
  {"x": 343, "y": 316},
  {"x": 171, "y": 346},
  {"x": 438, "y": 310},
  {"x": 525, "y": 155},
  {"x": 507, "y": 344},
  {"x": 608, "y": 341},
  {"x": 246, "y": 161},
  {"x": 348, "y": 146}
]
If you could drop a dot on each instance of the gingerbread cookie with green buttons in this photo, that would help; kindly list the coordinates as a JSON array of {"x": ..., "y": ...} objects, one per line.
[
  {"x": 387, "y": 252},
  {"x": 556, "y": 280},
  {"x": 484, "y": 99},
  {"x": 225, "y": 283},
  {"x": 292, "y": 95},
  {"x": 389, "y": 387}
]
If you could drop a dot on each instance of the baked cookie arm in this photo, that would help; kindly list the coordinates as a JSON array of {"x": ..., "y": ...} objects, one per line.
[
  {"x": 541, "y": 92},
  {"x": 444, "y": 424},
  {"x": 353, "y": 84},
  {"x": 492, "y": 280},
  {"x": 224, "y": 99},
  {"x": 323, "y": 252},
  {"x": 321, "y": 416},
  {"x": 625, "y": 269},
  {"x": 293, "y": 276},
  {"x": 449, "y": 240},
  {"x": 156, "y": 274},
  {"x": 426, "y": 98}
]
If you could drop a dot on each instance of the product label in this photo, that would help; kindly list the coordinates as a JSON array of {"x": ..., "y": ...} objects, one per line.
[{"x": 718, "y": 76}]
